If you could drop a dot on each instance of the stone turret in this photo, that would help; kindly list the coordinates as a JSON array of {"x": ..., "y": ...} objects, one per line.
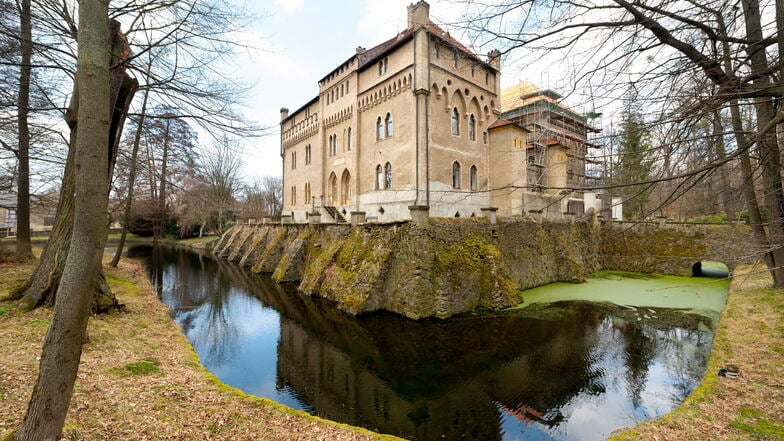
[
  {"x": 418, "y": 14},
  {"x": 494, "y": 58},
  {"x": 284, "y": 113}
]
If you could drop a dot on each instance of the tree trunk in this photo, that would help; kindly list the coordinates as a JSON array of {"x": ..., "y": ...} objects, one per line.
[
  {"x": 160, "y": 231},
  {"x": 24, "y": 248},
  {"x": 63, "y": 344},
  {"x": 770, "y": 161},
  {"x": 43, "y": 285},
  {"x": 747, "y": 188},
  {"x": 718, "y": 146},
  {"x": 131, "y": 182}
]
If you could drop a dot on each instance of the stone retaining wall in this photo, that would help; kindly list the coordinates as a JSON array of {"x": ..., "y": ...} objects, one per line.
[
  {"x": 451, "y": 266},
  {"x": 440, "y": 269},
  {"x": 673, "y": 248}
]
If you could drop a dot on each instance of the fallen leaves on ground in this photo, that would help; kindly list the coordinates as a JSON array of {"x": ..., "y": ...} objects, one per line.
[{"x": 139, "y": 379}]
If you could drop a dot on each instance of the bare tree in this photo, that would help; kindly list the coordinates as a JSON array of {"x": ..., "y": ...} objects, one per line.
[
  {"x": 210, "y": 200},
  {"x": 663, "y": 47}
]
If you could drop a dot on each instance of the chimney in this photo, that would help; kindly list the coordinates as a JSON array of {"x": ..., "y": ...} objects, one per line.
[
  {"x": 361, "y": 50},
  {"x": 284, "y": 113},
  {"x": 494, "y": 58},
  {"x": 418, "y": 14}
]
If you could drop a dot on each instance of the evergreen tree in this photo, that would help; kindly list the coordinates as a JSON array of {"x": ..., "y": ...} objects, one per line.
[{"x": 634, "y": 165}]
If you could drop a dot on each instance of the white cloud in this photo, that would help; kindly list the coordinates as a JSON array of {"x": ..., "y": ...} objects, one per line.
[
  {"x": 290, "y": 6},
  {"x": 383, "y": 19}
]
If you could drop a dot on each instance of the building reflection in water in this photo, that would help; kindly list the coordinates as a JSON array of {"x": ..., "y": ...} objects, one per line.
[{"x": 569, "y": 371}]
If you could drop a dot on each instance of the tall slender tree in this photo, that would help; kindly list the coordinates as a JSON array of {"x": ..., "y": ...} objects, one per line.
[
  {"x": 90, "y": 120},
  {"x": 24, "y": 248}
]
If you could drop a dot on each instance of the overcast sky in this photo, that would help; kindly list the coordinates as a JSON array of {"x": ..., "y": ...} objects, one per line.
[{"x": 302, "y": 40}]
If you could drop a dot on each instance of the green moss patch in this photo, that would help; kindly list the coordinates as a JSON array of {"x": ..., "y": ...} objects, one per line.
[
  {"x": 147, "y": 366},
  {"x": 753, "y": 422}
]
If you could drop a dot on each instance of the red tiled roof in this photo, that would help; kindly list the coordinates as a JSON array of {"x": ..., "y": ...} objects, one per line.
[
  {"x": 500, "y": 122},
  {"x": 375, "y": 52}
]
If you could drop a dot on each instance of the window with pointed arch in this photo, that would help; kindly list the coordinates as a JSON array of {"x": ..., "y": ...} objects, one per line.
[
  {"x": 456, "y": 175},
  {"x": 379, "y": 129},
  {"x": 345, "y": 188},
  {"x": 348, "y": 139},
  {"x": 387, "y": 176},
  {"x": 308, "y": 154},
  {"x": 472, "y": 181},
  {"x": 455, "y": 122},
  {"x": 379, "y": 178},
  {"x": 472, "y": 127},
  {"x": 388, "y": 123},
  {"x": 307, "y": 193},
  {"x": 293, "y": 195}
]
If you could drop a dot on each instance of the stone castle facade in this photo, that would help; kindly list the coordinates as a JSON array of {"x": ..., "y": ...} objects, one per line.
[{"x": 415, "y": 122}]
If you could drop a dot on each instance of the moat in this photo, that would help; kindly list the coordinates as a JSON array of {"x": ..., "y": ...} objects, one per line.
[{"x": 570, "y": 370}]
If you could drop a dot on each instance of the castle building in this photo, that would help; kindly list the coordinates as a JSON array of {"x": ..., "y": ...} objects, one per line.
[{"x": 418, "y": 121}]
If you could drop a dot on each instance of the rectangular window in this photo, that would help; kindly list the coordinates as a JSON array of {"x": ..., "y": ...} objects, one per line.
[{"x": 293, "y": 160}]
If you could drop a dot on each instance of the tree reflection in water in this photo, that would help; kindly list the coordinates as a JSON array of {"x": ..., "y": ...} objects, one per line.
[{"x": 564, "y": 371}]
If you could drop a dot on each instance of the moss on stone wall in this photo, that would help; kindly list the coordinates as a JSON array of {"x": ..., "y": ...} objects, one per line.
[{"x": 674, "y": 248}]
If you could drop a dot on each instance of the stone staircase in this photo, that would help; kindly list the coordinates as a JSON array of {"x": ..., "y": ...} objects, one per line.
[{"x": 337, "y": 216}]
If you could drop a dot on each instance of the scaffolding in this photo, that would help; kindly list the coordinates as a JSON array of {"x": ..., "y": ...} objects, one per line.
[{"x": 550, "y": 124}]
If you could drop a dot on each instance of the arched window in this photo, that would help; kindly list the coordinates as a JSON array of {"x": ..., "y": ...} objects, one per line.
[
  {"x": 379, "y": 129},
  {"x": 473, "y": 178},
  {"x": 345, "y": 188},
  {"x": 455, "y": 122},
  {"x": 387, "y": 176},
  {"x": 455, "y": 174},
  {"x": 388, "y": 123},
  {"x": 293, "y": 195},
  {"x": 308, "y": 154},
  {"x": 348, "y": 139},
  {"x": 472, "y": 128},
  {"x": 307, "y": 192},
  {"x": 379, "y": 178}
]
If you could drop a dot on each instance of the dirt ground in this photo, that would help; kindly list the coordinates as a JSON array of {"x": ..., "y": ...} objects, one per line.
[{"x": 139, "y": 379}]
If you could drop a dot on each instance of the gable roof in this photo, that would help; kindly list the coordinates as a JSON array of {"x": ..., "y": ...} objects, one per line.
[{"x": 376, "y": 52}]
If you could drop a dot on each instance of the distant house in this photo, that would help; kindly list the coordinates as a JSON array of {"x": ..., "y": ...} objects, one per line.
[
  {"x": 7, "y": 214},
  {"x": 42, "y": 211}
]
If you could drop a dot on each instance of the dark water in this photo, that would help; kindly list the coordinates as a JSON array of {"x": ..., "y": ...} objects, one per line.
[{"x": 573, "y": 371}]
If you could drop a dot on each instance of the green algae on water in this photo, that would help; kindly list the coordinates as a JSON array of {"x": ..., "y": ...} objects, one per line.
[{"x": 698, "y": 295}]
